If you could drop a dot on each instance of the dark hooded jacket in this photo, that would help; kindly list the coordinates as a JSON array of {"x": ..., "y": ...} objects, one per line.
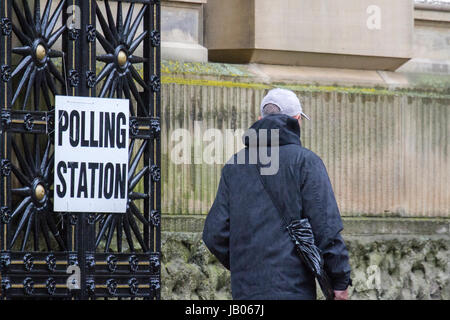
[{"x": 245, "y": 231}]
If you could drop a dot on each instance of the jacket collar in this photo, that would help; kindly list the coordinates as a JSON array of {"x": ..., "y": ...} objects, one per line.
[{"x": 259, "y": 133}]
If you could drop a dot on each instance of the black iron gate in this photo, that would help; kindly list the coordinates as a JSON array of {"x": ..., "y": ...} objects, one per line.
[{"x": 77, "y": 48}]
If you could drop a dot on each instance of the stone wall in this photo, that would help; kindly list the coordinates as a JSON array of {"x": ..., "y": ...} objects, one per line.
[
  {"x": 409, "y": 267},
  {"x": 382, "y": 148},
  {"x": 189, "y": 271}
]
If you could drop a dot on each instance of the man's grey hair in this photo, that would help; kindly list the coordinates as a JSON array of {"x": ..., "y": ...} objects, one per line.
[{"x": 270, "y": 108}]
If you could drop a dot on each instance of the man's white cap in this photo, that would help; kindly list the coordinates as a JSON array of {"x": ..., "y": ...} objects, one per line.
[{"x": 286, "y": 100}]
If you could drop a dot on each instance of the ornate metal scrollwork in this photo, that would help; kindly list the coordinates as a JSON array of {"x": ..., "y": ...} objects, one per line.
[
  {"x": 154, "y": 287},
  {"x": 34, "y": 78},
  {"x": 28, "y": 262},
  {"x": 5, "y": 213},
  {"x": 155, "y": 264},
  {"x": 155, "y": 38},
  {"x": 134, "y": 286},
  {"x": 134, "y": 263},
  {"x": 155, "y": 83},
  {"x": 111, "y": 285},
  {"x": 6, "y": 26},
  {"x": 155, "y": 128},
  {"x": 51, "y": 262},
  {"x": 50, "y": 120},
  {"x": 134, "y": 127},
  {"x": 5, "y": 167},
  {"x": 90, "y": 286},
  {"x": 155, "y": 173},
  {"x": 28, "y": 286},
  {"x": 90, "y": 261},
  {"x": 91, "y": 33},
  {"x": 5, "y": 72},
  {"x": 91, "y": 218},
  {"x": 74, "y": 34},
  {"x": 91, "y": 79},
  {"x": 5, "y": 261},
  {"x": 73, "y": 219},
  {"x": 51, "y": 286},
  {"x": 6, "y": 285},
  {"x": 6, "y": 118},
  {"x": 73, "y": 260},
  {"x": 74, "y": 78},
  {"x": 155, "y": 218},
  {"x": 112, "y": 263},
  {"x": 28, "y": 122}
]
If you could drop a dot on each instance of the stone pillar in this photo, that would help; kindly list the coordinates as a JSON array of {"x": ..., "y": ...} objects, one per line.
[
  {"x": 355, "y": 34},
  {"x": 431, "y": 44}
]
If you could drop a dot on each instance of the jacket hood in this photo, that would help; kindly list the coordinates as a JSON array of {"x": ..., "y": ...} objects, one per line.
[{"x": 259, "y": 133}]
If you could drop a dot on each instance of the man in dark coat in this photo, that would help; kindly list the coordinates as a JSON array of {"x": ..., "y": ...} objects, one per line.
[{"x": 244, "y": 229}]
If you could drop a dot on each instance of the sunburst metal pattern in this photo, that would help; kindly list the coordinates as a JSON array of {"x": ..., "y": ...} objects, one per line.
[
  {"x": 38, "y": 36},
  {"x": 118, "y": 254},
  {"x": 132, "y": 222},
  {"x": 34, "y": 211},
  {"x": 119, "y": 41}
]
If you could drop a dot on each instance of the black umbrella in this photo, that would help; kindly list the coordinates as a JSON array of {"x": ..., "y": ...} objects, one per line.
[{"x": 301, "y": 233}]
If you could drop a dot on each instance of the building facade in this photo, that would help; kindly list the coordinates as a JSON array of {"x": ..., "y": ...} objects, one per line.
[{"x": 375, "y": 78}]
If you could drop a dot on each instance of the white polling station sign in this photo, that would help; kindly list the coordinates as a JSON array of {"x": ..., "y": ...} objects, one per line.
[{"x": 91, "y": 154}]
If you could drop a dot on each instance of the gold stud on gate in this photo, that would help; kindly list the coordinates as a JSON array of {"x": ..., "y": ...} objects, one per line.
[
  {"x": 39, "y": 192},
  {"x": 122, "y": 58},
  {"x": 40, "y": 52}
]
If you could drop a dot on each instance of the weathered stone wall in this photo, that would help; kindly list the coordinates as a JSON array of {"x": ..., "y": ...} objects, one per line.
[
  {"x": 189, "y": 271},
  {"x": 410, "y": 267},
  {"x": 391, "y": 258},
  {"x": 372, "y": 140}
]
